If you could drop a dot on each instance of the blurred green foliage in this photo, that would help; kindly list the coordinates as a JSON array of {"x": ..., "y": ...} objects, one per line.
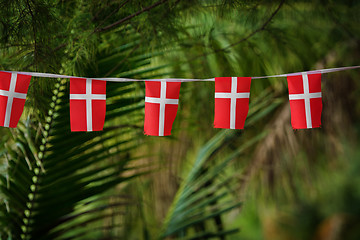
[{"x": 266, "y": 182}]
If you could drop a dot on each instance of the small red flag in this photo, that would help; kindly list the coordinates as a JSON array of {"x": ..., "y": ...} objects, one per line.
[
  {"x": 13, "y": 90},
  {"x": 161, "y": 105},
  {"x": 87, "y": 104},
  {"x": 231, "y": 101},
  {"x": 305, "y": 100}
]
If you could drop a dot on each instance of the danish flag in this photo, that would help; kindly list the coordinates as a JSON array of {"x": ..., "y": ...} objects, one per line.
[
  {"x": 231, "y": 101},
  {"x": 305, "y": 100},
  {"x": 13, "y": 90},
  {"x": 87, "y": 104},
  {"x": 161, "y": 105}
]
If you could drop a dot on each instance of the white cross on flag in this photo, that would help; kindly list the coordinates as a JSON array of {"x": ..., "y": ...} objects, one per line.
[
  {"x": 13, "y": 90},
  {"x": 87, "y": 104},
  {"x": 161, "y": 105},
  {"x": 231, "y": 101},
  {"x": 305, "y": 100}
]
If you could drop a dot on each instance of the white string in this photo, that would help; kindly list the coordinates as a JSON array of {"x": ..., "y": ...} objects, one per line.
[{"x": 50, "y": 75}]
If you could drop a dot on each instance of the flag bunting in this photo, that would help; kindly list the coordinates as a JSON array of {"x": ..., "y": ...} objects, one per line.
[{"x": 232, "y": 95}]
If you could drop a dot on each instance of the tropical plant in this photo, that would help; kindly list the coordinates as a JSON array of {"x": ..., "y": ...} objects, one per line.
[
  {"x": 118, "y": 184},
  {"x": 57, "y": 181}
]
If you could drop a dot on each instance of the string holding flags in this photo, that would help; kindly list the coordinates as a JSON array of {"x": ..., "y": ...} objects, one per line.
[{"x": 88, "y": 99}]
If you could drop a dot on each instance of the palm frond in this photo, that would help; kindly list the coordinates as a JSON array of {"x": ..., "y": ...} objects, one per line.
[
  {"x": 56, "y": 185},
  {"x": 207, "y": 191}
]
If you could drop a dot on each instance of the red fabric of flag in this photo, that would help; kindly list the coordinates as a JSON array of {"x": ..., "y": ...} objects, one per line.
[
  {"x": 13, "y": 90},
  {"x": 161, "y": 105},
  {"x": 305, "y": 100},
  {"x": 231, "y": 101},
  {"x": 87, "y": 104}
]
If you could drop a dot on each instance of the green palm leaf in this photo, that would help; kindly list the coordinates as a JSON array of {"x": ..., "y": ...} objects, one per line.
[
  {"x": 207, "y": 192},
  {"x": 56, "y": 185}
]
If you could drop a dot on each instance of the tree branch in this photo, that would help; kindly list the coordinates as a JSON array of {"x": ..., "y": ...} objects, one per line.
[
  {"x": 245, "y": 38},
  {"x": 123, "y": 60},
  {"x": 33, "y": 20},
  {"x": 130, "y": 16},
  {"x": 108, "y": 16},
  {"x": 118, "y": 22},
  {"x": 259, "y": 29}
]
